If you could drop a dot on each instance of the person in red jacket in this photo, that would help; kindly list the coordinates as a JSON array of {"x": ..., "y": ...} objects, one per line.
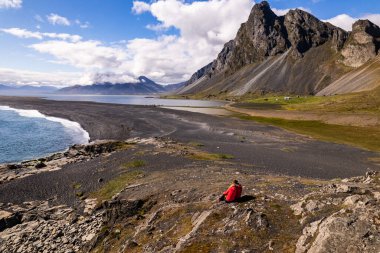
[{"x": 233, "y": 193}]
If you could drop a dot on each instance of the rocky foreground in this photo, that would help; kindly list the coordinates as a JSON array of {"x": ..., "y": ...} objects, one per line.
[{"x": 177, "y": 210}]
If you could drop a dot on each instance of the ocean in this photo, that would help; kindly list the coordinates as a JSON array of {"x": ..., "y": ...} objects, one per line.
[{"x": 28, "y": 134}]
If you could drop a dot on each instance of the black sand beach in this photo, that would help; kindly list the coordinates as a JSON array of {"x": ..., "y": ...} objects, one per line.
[
  {"x": 277, "y": 168},
  {"x": 266, "y": 148}
]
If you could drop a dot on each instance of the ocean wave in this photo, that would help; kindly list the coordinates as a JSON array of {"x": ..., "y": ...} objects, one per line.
[{"x": 73, "y": 128}]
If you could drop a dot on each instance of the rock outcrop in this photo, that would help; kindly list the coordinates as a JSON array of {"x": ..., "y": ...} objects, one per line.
[
  {"x": 295, "y": 53},
  {"x": 148, "y": 214},
  {"x": 76, "y": 153},
  {"x": 46, "y": 228},
  {"x": 363, "y": 44},
  {"x": 352, "y": 223}
]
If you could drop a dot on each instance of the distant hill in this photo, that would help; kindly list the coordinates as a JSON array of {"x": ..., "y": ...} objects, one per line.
[
  {"x": 295, "y": 53},
  {"x": 174, "y": 87},
  {"x": 25, "y": 90},
  {"x": 143, "y": 86}
]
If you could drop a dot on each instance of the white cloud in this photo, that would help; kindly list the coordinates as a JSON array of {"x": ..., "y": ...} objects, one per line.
[
  {"x": 83, "y": 54},
  {"x": 140, "y": 7},
  {"x": 60, "y": 79},
  {"x": 282, "y": 12},
  {"x": 55, "y": 19},
  {"x": 204, "y": 27},
  {"x": 345, "y": 21},
  {"x": 106, "y": 77},
  {"x": 22, "y": 33},
  {"x": 22, "y": 77},
  {"x": 6, "y": 4},
  {"x": 81, "y": 24}
]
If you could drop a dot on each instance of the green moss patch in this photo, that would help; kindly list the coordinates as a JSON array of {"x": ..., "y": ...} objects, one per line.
[
  {"x": 363, "y": 137},
  {"x": 112, "y": 187},
  {"x": 201, "y": 155},
  {"x": 134, "y": 164}
]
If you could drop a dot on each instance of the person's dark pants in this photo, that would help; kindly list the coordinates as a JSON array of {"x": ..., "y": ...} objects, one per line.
[{"x": 223, "y": 198}]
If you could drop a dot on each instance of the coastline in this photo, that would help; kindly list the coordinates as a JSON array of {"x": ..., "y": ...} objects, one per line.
[
  {"x": 149, "y": 167},
  {"x": 118, "y": 122},
  {"x": 72, "y": 129}
]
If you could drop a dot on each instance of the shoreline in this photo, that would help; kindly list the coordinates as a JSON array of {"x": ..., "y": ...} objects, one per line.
[
  {"x": 73, "y": 129},
  {"x": 159, "y": 169},
  {"x": 220, "y": 134}
]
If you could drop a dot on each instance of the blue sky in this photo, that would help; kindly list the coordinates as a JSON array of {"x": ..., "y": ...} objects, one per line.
[{"x": 65, "y": 42}]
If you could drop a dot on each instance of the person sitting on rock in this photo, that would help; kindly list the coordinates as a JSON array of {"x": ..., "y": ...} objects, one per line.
[{"x": 233, "y": 193}]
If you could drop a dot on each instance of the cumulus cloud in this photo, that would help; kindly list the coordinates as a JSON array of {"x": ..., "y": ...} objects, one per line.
[
  {"x": 83, "y": 54},
  {"x": 106, "y": 77},
  {"x": 282, "y": 12},
  {"x": 203, "y": 27},
  {"x": 55, "y": 19},
  {"x": 7, "y": 4},
  {"x": 22, "y": 77},
  {"x": 345, "y": 21},
  {"x": 216, "y": 21},
  {"x": 23, "y": 33},
  {"x": 140, "y": 7},
  {"x": 61, "y": 79}
]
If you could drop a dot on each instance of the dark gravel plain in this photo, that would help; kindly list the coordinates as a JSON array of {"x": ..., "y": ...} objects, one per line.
[{"x": 260, "y": 148}]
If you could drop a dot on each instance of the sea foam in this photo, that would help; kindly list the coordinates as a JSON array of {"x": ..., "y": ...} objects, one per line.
[{"x": 75, "y": 129}]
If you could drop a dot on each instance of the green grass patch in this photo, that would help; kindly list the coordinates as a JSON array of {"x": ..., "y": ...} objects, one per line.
[
  {"x": 134, "y": 164},
  {"x": 199, "y": 155},
  {"x": 277, "y": 101},
  {"x": 120, "y": 145},
  {"x": 287, "y": 150},
  {"x": 364, "y": 137},
  {"x": 363, "y": 102},
  {"x": 196, "y": 144},
  {"x": 112, "y": 187},
  {"x": 77, "y": 186}
]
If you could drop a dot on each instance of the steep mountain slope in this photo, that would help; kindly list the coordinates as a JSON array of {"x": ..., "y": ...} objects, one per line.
[
  {"x": 364, "y": 78},
  {"x": 143, "y": 86},
  {"x": 295, "y": 53}
]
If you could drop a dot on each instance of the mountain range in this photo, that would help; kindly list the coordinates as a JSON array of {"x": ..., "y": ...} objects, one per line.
[
  {"x": 25, "y": 90},
  {"x": 143, "y": 86},
  {"x": 295, "y": 53}
]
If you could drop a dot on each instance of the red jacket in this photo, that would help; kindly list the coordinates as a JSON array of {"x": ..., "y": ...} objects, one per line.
[{"x": 233, "y": 192}]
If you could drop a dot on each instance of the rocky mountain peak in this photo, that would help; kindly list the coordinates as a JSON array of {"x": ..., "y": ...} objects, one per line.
[
  {"x": 367, "y": 27},
  {"x": 144, "y": 79},
  {"x": 306, "y": 31},
  {"x": 363, "y": 43},
  {"x": 261, "y": 36},
  {"x": 261, "y": 10},
  {"x": 306, "y": 52}
]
